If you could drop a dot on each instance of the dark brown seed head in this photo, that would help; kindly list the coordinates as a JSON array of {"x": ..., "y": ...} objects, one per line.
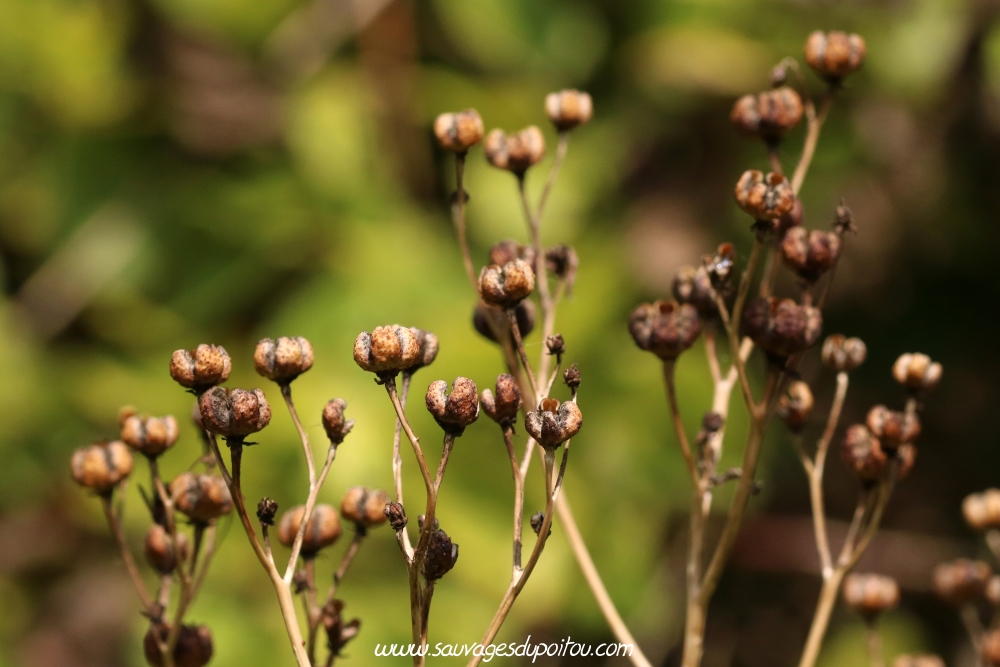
[
  {"x": 835, "y": 54},
  {"x": 571, "y": 376},
  {"x": 524, "y": 313},
  {"x": 161, "y": 552},
  {"x": 364, "y": 507},
  {"x": 720, "y": 265},
  {"x": 234, "y": 413},
  {"x": 843, "y": 354},
  {"x": 795, "y": 405},
  {"x": 504, "y": 405},
  {"x": 768, "y": 115},
  {"x": 665, "y": 328},
  {"x": 200, "y": 368},
  {"x": 322, "y": 531},
  {"x": 555, "y": 345},
  {"x": 982, "y": 510},
  {"x": 961, "y": 581},
  {"x": 569, "y": 108},
  {"x": 202, "y": 498},
  {"x": 892, "y": 428},
  {"x": 781, "y": 326},
  {"x": 764, "y": 197},
  {"x": 515, "y": 152},
  {"x": 284, "y": 359},
  {"x": 810, "y": 253},
  {"x": 334, "y": 423},
  {"x": 460, "y": 131},
  {"x": 267, "y": 509},
  {"x": 338, "y": 631},
  {"x": 870, "y": 594},
  {"x": 442, "y": 554},
  {"x": 396, "y": 515},
  {"x": 553, "y": 423},
  {"x": 454, "y": 411},
  {"x": 387, "y": 350},
  {"x": 862, "y": 452},
  {"x": 916, "y": 371},
  {"x": 506, "y": 286},
  {"x": 193, "y": 649},
  {"x": 694, "y": 286},
  {"x": 101, "y": 466},
  {"x": 508, "y": 250},
  {"x": 563, "y": 262}
]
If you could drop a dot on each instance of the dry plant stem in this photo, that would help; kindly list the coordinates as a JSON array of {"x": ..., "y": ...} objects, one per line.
[
  {"x": 668, "y": 378},
  {"x": 397, "y": 463},
  {"x": 516, "y": 331},
  {"x": 772, "y": 156},
  {"x": 390, "y": 387},
  {"x": 345, "y": 563},
  {"x": 458, "y": 215},
  {"x": 814, "y": 124},
  {"x": 286, "y": 393},
  {"x": 508, "y": 439},
  {"x": 133, "y": 571},
  {"x": 309, "y": 603},
  {"x": 873, "y": 642},
  {"x": 314, "y": 488}
]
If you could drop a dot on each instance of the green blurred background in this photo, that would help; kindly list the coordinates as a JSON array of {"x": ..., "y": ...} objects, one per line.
[{"x": 175, "y": 172}]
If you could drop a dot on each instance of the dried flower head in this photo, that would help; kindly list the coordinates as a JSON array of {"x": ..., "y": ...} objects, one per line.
[
  {"x": 201, "y": 368},
  {"x": 284, "y": 359},
  {"x": 505, "y": 286},
  {"x": 916, "y": 371},
  {"x": 835, "y": 54},
  {"x": 338, "y": 632},
  {"x": 202, "y": 498},
  {"x": 720, "y": 265},
  {"x": 364, "y": 507},
  {"x": 537, "y": 520},
  {"x": 334, "y": 423},
  {"x": 387, "y": 350},
  {"x": 458, "y": 132},
  {"x": 442, "y": 554},
  {"x": 694, "y": 286},
  {"x": 843, "y": 354},
  {"x": 810, "y": 253},
  {"x": 961, "y": 581},
  {"x": 571, "y": 376},
  {"x": 515, "y": 152},
  {"x": 764, "y": 197},
  {"x": 569, "y": 108},
  {"x": 893, "y": 428},
  {"x": 428, "y": 343},
  {"x": 193, "y": 649},
  {"x": 870, "y": 594},
  {"x": 553, "y": 423},
  {"x": 161, "y": 552},
  {"x": 150, "y": 436},
  {"x": 795, "y": 405},
  {"x": 524, "y": 314},
  {"x": 862, "y": 452},
  {"x": 508, "y": 250},
  {"x": 234, "y": 413},
  {"x": 665, "y": 328},
  {"x": 322, "y": 531},
  {"x": 267, "y": 509},
  {"x": 768, "y": 115},
  {"x": 504, "y": 405},
  {"x": 563, "y": 262},
  {"x": 396, "y": 515},
  {"x": 982, "y": 510},
  {"x": 555, "y": 345},
  {"x": 453, "y": 412},
  {"x": 101, "y": 466},
  {"x": 781, "y": 326}
]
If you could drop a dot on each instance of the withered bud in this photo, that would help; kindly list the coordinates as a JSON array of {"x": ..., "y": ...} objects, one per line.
[
  {"x": 387, "y": 350},
  {"x": 862, "y": 452},
  {"x": 442, "y": 554},
  {"x": 665, "y": 328},
  {"x": 267, "y": 509},
  {"x": 396, "y": 515},
  {"x": 810, "y": 253},
  {"x": 101, "y": 466},
  {"x": 961, "y": 581},
  {"x": 428, "y": 343},
  {"x": 923, "y": 660},
  {"x": 768, "y": 115},
  {"x": 916, "y": 371},
  {"x": 694, "y": 286},
  {"x": 508, "y": 250},
  {"x": 569, "y": 108},
  {"x": 334, "y": 423},
  {"x": 193, "y": 649},
  {"x": 200, "y": 368},
  {"x": 234, "y": 413},
  {"x": 870, "y": 594},
  {"x": 764, "y": 197},
  {"x": 150, "y": 436},
  {"x": 835, "y": 54},
  {"x": 338, "y": 633},
  {"x": 536, "y": 520},
  {"x": 202, "y": 498},
  {"x": 990, "y": 648},
  {"x": 524, "y": 313},
  {"x": 161, "y": 552},
  {"x": 720, "y": 265},
  {"x": 843, "y": 354},
  {"x": 781, "y": 326},
  {"x": 460, "y": 131},
  {"x": 982, "y": 510},
  {"x": 571, "y": 376},
  {"x": 364, "y": 507},
  {"x": 453, "y": 412},
  {"x": 284, "y": 359},
  {"x": 795, "y": 405},
  {"x": 563, "y": 262},
  {"x": 843, "y": 220},
  {"x": 503, "y": 406},
  {"x": 322, "y": 531},
  {"x": 515, "y": 152},
  {"x": 892, "y": 428},
  {"x": 505, "y": 286},
  {"x": 553, "y": 424},
  {"x": 555, "y": 345}
]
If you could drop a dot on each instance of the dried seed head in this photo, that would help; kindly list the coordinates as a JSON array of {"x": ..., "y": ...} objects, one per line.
[
  {"x": 720, "y": 265},
  {"x": 563, "y": 262},
  {"x": 101, "y": 466},
  {"x": 453, "y": 412},
  {"x": 768, "y": 115},
  {"x": 536, "y": 520},
  {"x": 835, "y": 54},
  {"x": 870, "y": 594},
  {"x": 428, "y": 343},
  {"x": 795, "y": 405},
  {"x": 338, "y": 632},
  {"x": 503, "y": 406},
  {"x": 843, "y": 354},
  {"x": 764, "y": 197},
  {"x": 234, "y": 413},
  {"x": 508, "y": 250},
  {"x": 555, "y": 345},
  {"x": 810, "y": 253},
  {"x": 990, "y": 647},
  {"x": 524, "y": 313},
  {"x": 364, "y": 507},
  {"x": 202, "y": 498},
  {"x": 863, "y": 453},
  {"x": 334, "y": 423},
  {"x": 569, "y": 108},
  {"x": 442, "y": 554},
  {"x": 515, "y": 152},
  {"x": 396, "y": 515},
  {"x": 284, "y": 359},
  {"x": 505, "y": 286},
  {"x": 982, "y": 510},
  {"x": 460, "y": 131},
  {"x": 961, "y": 581},
  {"x": 193, "y": 649},
  {"x": 781, "y": 326},
  {"x": 322, "y": 531},
  {"x": 892, "y": 428},
  {"x": 150, "y": 436},
  {"x": 916, "y": 371},
  {"x": 919, "y": 661},
  {"x": 665, "y": 328},
  {"x": 387, "y": 350},
  {"x": 267, "y": 509},
  {"x": 571, "y": 376},
  {"x": 201, "y": 368},
  {"x": 553, "y": 424},
  {"x": 694, "y": 286},
  {"x": 161, "y": 552}
]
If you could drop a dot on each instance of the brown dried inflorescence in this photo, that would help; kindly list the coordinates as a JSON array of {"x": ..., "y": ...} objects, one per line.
[
  {"x": 201, "y": 368},
  {"x": 843, "y": 354},
  {"x": 458, "y": 132},
  {"x": 234, "y": 413},
  {"x": 194, "y": 645},
  {"x": 569, "y": 108},
  {"x": 504, "y": 405},
  {"x": 768, "y": 115},
  {"x": 442, "y": 554},
  {"x": 862, "y": 452},
  {"x": 284, "y": 359},
  {"x": 870, "y": 594},
  {"x": 961, "y": 581},
  {"x": 338, "y": 632},
  {"x": 782, "y": 327},
  {"x": 387, "y": 350},
  {"x": 506, "y": 286},
  {"x": 891, "y": 427},
  {"x": 101, "y": 466},
  {"x": 150, "y": 436},
  {"x": 916, "y": 371},
  {"x": 665, "y": 328},
  {"x": 322, "y": 531},
  {"x": 454, "y": 411},
  {"x": 161, "y": 552},
  {"x": 429, "y": 345},
  {"x": 694, "y": 286},
  {"x": 334, "y": 423},
  {"x": 982, "y": 510},
  {"x": 553, "y": 423},
  {"x": 515, "y": 152},
  {"x": 764, "y": 197},
  {"x": 202, "y": 498},
  {"x": 795, "y": 405},
  {"x": 835, "y": 54},
  {"x": 524, "y": 314},
  {"x": 364, "y": 507},
  {"x": 810, "y": 253}
]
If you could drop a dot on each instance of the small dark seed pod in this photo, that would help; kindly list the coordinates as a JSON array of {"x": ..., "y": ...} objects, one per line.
[
  {"x": 201, "y": 368},
  {"x": 515, "y": 152},
  {"x": 916, "y": 371},
  {"x": 387, "y": 350},
  {"x": 193, "y": 649},
  {"x": 870, "y": 594},
  {"x": 161, "y": 552},
  {"x": 322, "y": 531},
  {"x": 569, "y": 108},
  {"x": 508, "y": 250},
  {"x": 768, "y": 115},
  {"x": 795, "y": 405},
  {"x": 506, "y": 286},
  {"x": 364, "y": 507},
  {"x": 234, "y": 413},
  {"x": 338, "y": 631},
  {"x": 553, "y": 424},
  {"x": 843, "y": 354},
  {"x": 892, "y": 428},
  {"x": 982, "y": 510},
  {"x": 524, "y": 313},
  {"x": 460, "y": 131},
  {"x": 835, "y": 54},
  {"x": 862, "y": 452},
  {"x": 284, "y": 359},
  {"x": 764, "y": 197},
  {"x": 571, "y": 376},
  {"x": 961, "y": 581},
  {"x": 202, "y": 498},
  {"x": 101, "y": 466},
  {"x": 266, "y": 511},
  {"x": 453, "y": 412},
  {"x": 720, "y": 265},
  {"x": 810, "y": 253},
  {"x": 781, "y": 326},
  {"x": 504, "y": 405},
  {"x": 694, "y": 286},
  {"x": 537, "y": 519},
  {"x": 396, "y": 515},
  {"x": 665, "y": 328},
  {"x": 334, "y": 423},
  {"x": 442, "y": 554},
  {"x": 563, "y": 262}
]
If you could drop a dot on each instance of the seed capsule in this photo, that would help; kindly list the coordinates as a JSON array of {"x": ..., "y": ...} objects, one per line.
[
  {"x": 961, "y": 581},
  {"x": 428, "y": 343},
  {"x": 569, "y": 108},
  {"x": 396, "y": 515},
  {"x": 503, "y": 406},
  {"x": 460, "y": 131},
  {"x": 694, "y": 286},
  {"x": 202, "y": 498},
  {"x": 150, "y": 436},
  {"x": 387, "y": 350},
  {"x": 322, "y": 531},
  {"x": 563, "y": 262},
  {"x": 442, "y": 554},
  {"x": 982, "y": 510},
  {"x": 508, "y": 250},
  {"x": 835, "y": 54},
  {"x": 284, "y": 359},
  {"x": 553, "y": 423},
  {"x": 201, "y": 368},
  {"x": 193, "y": 649},
  {"x": 453, "y": 412},
  {"x": 334, "y": 423},
  {"x": 161, "y": 552},
  {"x": 810, "y": 253},
  {"x": 364, "y": 507},
  {"x": 524, "y": 313},
  {"x": 101, "y": 466},
  {"x": 768, "y": 115},
  {"x": 571, "y": 376},
  {"x": 505, "y": 286},
  {"x": 515, "y": 152},
  {"x": 916, "y": 371},
  {"x": 665, "y": 328},
  {"x": 862, "y": 452},
  {"x": 764, "y": 198},
  {"x": 266, "y": 511},
  {"x": 338, "y": 632},
  {"x": 781, "y": 326},
  {"x": 892, "y": 428},
  {"x": 234, "y": 413},
  {"x": 870, "y": 594},
  {"x": 795, "y": 405},
  {"x": 843, "y": 354}
]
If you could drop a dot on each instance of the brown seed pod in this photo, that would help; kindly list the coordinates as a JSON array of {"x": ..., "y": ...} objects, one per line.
[
  {"x": 768, "y": 115},
  {"x": 892, "y": 428},
  {"x": 569, "y": 108},
  {"x": 508, "y": 250},
  {"x": 571, "y": 376},
  {"x": 338, "y": 631},
  {"x": 781, "y": 326},
  {"x": 234, "y": 413},
  {"x": 919, "y": 661},
  {"x": 364, "y": 507},
  {"x": 453, "y": 412},
  {"x": 843, "y": 354},
  {"x": 563, "y": 262},
  {"x": 334, "y": 423},
  {"x": 505, "y": 286},
  {"x": 387, "y": 350},
  {"x": 161, "y": 552},
  {"x": 810, "y": 253},
  {"x": 428, "y": 343},
  {"x": 101, "y": 466},
  {"x": 442, "y": 554},
  {"x": 694, "y": 286},
  {"x": 795, "y": 405},
  {"x": 266, "y": 511},
  {"x": 504, "y": 405},
  {"x": 322, "y": 531},
  {"x": 193, "y": 649},
  {"x": 870, "y": 594},
  {"x": 150, "y": 436},
  {"x": 458, "y": 132},
  {"x": 284, "y": 359},
  {"x": 202, "y": 498},
  {"x": 764, "y": 197},
  {"x": 916, "y": 371},
  {"x": 720, "y": 265},
  {"x": 515, "y": 152},
  {"x": 201, "y": 368},
  {"x": 524, "y": 313},
  {"x": 396, "y": 515},
  {"x": 862, "y": 452},
  {"x": 961, "y": 581},
  {"x": 665, "y": 328},
  {"x": 982, "y": 510},
  {"x": 835, "y": 54},
  {"x": 553, "y": 424}
]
